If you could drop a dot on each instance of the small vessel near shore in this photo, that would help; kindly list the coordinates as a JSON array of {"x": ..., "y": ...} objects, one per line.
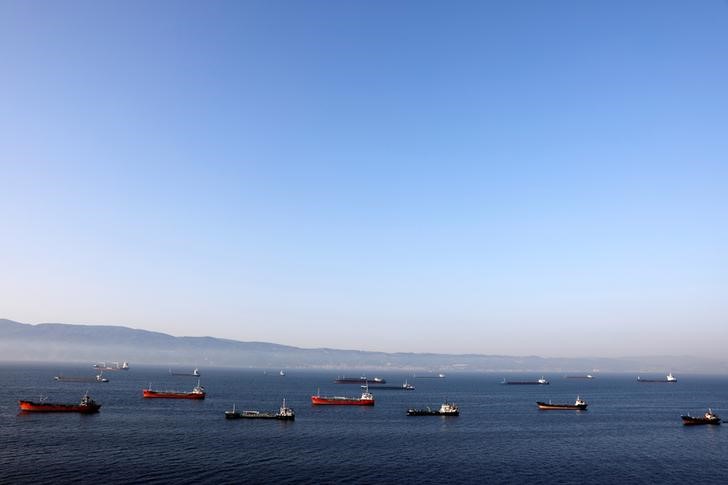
[
  {"x": 284, "y": 413},
  {"x": 98, "y": 378},
  {"x": 579, "y": 405},
  {"x": 198, "y": 392},
  {"x": 359, "y": 380},
  {"x": 669, "y": 378},
  {"x": 366, "y": 399},
  {"x": 86, "y": 406},
  {"x": 446, "y": 409},
  {"x": 194, "y": 373},
  {"x": 586, "y": 376},
  {"x": 542, "y": 381},
  {"x": 708, "y": 418}
]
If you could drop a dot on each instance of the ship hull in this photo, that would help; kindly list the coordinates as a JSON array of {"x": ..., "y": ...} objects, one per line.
[
  {"x": 561, "y": 407},
  {"x": 102, "y": 367},
  {"x": 234, "y": 415},
  {"x": 340, "y": 401},
  {"x": 394, "y": 388},
  {"x": 35, "y": 407},
  {"x": 691, "y": 421},
  {"x": 425, "y": 412},
  {"x": 346, "y": 380},
  {"x": 88, "y": 380},
  {"x": 172, "y": 395}
]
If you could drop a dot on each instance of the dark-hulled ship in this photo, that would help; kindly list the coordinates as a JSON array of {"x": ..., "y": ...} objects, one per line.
[
  {"x": 537, "y": 382},
  {"x": 668, "y": 379},
  {"x": 359, "y": 380},
  {"x": 708, "y": 418},
  {"x": 97, "y": 378},
  {"x": 406, "y": 386},
  {"x": 579, "y": 405},
  {"x": 284, "y": 413},
  {"x": 194, "y": 373},
  {"x": 446, "y": 409}
]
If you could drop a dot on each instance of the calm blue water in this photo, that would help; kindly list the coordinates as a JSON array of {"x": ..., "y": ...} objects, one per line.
[{"x": 631, "y": 433}]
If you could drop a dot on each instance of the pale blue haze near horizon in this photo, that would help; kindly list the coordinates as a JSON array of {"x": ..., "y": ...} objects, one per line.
[{"x": 519, "y": 177}]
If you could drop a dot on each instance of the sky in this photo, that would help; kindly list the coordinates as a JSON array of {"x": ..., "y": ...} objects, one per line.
[{"x": 520, "y": 178}]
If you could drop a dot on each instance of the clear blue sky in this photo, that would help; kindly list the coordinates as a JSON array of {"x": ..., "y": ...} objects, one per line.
[{"x": 500, "y": 177}]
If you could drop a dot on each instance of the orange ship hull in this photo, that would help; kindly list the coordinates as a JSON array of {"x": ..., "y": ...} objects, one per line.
[
  {"x": 41, "y": 407},
  {"x": 172, "y": 395},
  {"x": 341, "y": 401}
]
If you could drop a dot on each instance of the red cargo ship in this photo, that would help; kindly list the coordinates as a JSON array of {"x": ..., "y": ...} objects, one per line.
[
  {"x": 86, "y": 406},
  {"x": 198, "y": 392},
  {"x": 366, "y": 399}
]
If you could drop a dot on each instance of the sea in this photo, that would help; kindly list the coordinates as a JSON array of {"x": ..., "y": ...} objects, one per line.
[{"x": 631, "y": 432}]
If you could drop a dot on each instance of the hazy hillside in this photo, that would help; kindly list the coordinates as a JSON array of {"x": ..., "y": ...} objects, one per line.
[{"x": 54, "y": 342}]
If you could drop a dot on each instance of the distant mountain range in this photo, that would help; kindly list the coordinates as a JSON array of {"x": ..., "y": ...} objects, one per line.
[{"x": 56, "y": 342}]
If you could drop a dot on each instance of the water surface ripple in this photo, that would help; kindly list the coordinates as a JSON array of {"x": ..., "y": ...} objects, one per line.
[{"x": 631, "y": 433}]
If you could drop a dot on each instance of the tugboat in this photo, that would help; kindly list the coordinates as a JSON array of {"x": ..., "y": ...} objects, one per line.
[
  {"x": 669, "y": 378},
  {"x": 541, "y": 381},
  {"x": 579, "y": 405},
  {"x": 86, "y": 406},
  {"x": 198, "y": 392},
  {"x": 366, "y": 399},
  {"x": 284, "y": 414},
  {"x": 446, "y": 409},
  {"x": 708, "y": 418}
]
